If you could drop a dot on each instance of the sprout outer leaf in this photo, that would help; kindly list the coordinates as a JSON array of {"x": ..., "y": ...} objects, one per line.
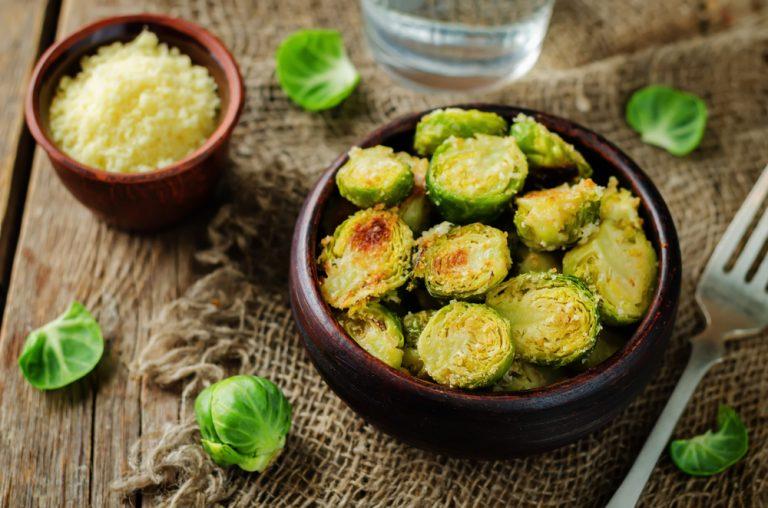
[
  {"x": 62, "y": 351},
  {"x": 313, "y": 69},
  {"x": 668, "y": 118},
  {"x": 546, "y": 151},
  {"x": 712, "y": 452}
]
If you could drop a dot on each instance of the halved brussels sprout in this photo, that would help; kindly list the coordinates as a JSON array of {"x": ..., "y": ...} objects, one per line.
[
  {"x": 528, "y": 260},
  {"x": 377, "y": 330},
  {"x": 551, "y": 219},
  {"x": 608, "y": 342},
  {"x": 546, "y": 151},
  {"x": 413, "y": 325},
  {"x": 554, "y": 317},
  {"x": 526, "y": 376},
  {"x": 620, "y": 264},
  {"x": 473, "y": 179},
  {"x": 374, "y": 175},
  {"x": 620, "y": 205},
  {"x": 441, "y": 124},
  {"x": 466, "y": 345},
  {"x": 465, "y": 262},
  {"x": 416, "y": 210},
  {"x": 368, "y": 256}
]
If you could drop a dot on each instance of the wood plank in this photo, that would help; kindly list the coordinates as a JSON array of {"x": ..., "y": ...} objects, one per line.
[
  {"x": 22, "y": 23},
  {"x": 83, "y": 434}
]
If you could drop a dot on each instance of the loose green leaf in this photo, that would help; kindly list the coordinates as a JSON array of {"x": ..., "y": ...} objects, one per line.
[
  {"x": 243, "y": 421},
  {"x": 712, "y": 452},
  {"x": 668, "y": 118},
  {"x": 313, "y": 69},
  {"x": 62, "y": 351}
]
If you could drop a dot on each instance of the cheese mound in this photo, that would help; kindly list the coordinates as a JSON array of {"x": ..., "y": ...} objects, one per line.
[{"x": 134, "y": 107}]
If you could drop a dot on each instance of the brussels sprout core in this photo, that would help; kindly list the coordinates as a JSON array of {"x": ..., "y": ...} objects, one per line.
[
  {"x": 374, "y": 175},
  {"x": 368, "y": 255},
  {"x": 377, "y": 331},
  {"x": 546, "y": 151},
  {"x": 465, "y": 262},
  {"x": 551, "y": 219},
  {"x": 474, "y": 179},
  {"x": 439, "y": 125},
  {"x": 466, "y": 345},
  {"x": 554, "y": 317},
  {"x": 243, "y": 421}
]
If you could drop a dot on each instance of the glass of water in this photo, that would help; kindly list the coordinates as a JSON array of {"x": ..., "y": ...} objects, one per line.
[{"x": 456, "y": 44}]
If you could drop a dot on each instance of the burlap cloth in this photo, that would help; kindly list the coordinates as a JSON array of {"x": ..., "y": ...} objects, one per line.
[{"x": 237, "y": 318}]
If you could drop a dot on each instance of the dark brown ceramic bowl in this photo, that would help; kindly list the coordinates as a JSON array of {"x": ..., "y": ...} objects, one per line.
[
  {"x": 152, "y": 200},
  {"x": 484, "y": 424}
]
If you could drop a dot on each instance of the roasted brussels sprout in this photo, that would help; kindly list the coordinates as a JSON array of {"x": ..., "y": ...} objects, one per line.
[
  {"x": 413, "y": 325},
  {"x": 465, "y": 262},
  {"x": 619, "y": 205},
  {"x": 368, "y": 256},
  {"x": 374, "y": 175},
  {"x": 529, "y": 260},
  {"x": 546, "y": 151},
  {"x": 416, "y": 210},
  {"x": 607, "y": 343},
  {"x": 554, "y": 318},
  {"x": 473, "y": 179},
  {"x": 377, "y": 330},
  {"x": 620, "y": 265},
  {"x": 526, "y": 376},
  {"x": 439, "y": 125},
  {"x": 551, "y": 219},
  {"x": 243, "y": 421},
  {"x": 466, "y": 345}
]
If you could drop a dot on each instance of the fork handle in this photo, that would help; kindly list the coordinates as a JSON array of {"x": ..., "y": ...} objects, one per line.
[{"x": 705, "y": 352}]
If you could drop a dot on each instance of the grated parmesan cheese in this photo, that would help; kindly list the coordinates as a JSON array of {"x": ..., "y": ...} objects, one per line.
[{"x": 134, "y": 107}]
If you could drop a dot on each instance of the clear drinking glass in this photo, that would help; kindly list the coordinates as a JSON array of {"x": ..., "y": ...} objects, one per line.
[{"x": 456, "y": 44}]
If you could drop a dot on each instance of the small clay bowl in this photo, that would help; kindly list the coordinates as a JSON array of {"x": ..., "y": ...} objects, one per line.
[
  {"x": 484, "y": 424},
  {"x": 146, "y": 201}
]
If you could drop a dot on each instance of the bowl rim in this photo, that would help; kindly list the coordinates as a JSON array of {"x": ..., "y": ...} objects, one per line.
[
  {"x": 221, "y": 55},
  {"x": 611, "y": 371}
]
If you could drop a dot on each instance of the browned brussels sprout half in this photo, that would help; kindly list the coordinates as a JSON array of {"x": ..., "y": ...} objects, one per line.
[
  {"x": 551, "y": 219},
  {"x": 554, "y": 318},
  {"x": 368, "y": 256},
  {"x": 377, "y": 330},
  {"x": 550, "y": 157},
  {"x": 474, "y": 179},
  {"x": 374, "y": 175},
  {"x": 465, "y": 262},
  {"x": 618, "y": 262},
  {"x": 466, "y": 345},
  {"x": 441, "y": 124}
]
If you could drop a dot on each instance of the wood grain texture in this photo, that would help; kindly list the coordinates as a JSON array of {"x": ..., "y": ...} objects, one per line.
[
  {"x": 67, "y": 446},
  {"x": 22, "y": 23}
]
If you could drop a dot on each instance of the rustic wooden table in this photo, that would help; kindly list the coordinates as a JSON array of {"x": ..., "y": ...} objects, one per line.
[{"x": 49, "y": 441}]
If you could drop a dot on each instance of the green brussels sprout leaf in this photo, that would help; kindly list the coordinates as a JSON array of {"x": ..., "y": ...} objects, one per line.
[
  {"x": 62, "y": 351},
  {"x": 668, "y": 118},
  {"x": 712, "y": 452},
  {"x": 313, "y": 69},
  {"x": 526, "y": 376},
  {"x": 243, "y": 421}
]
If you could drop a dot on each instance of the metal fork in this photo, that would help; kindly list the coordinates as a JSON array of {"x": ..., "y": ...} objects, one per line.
[{"x": 733, "y": 307}]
